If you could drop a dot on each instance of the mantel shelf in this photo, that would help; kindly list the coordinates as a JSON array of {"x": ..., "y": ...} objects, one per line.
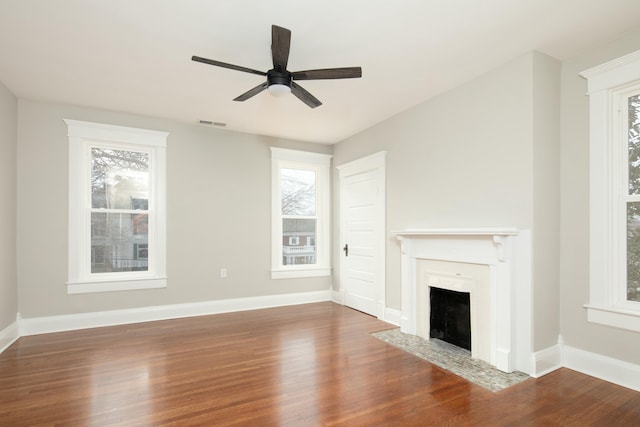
[{"x": 418, "y": 232}]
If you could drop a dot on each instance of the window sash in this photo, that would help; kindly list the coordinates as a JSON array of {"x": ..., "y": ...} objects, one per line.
[
  {"x": 319, "y": 164},
  {"x": 150, "y": 212},
  {"x": 83, "y": 136},
  {"x": 317, "y": 217}
]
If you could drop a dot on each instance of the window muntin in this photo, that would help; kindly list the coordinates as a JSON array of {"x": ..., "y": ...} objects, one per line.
[
  {"x": 116, "y": 208},
  {"x": 300, "y": 228}
]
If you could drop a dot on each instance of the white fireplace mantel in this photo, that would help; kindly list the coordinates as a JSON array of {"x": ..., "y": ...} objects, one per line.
[
  {"x": 502, "y": 249},
  {"x": 478, "y": 231}
]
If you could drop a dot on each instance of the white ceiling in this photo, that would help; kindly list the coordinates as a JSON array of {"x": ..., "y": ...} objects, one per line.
[{"x": 135, "y": 55}]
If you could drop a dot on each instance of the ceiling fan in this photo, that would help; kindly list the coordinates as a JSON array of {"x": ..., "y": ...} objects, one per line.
[{"x": 279, "y": 79}]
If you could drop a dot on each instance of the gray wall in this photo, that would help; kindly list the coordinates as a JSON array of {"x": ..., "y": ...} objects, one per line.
[
  {"x": 546, "y": 200},
  {"x": 574, "y": 272},
  {"x": 218, "y": 214},
  {"x": 470, "y": 158},
  {"x": 8, "y": 139}
]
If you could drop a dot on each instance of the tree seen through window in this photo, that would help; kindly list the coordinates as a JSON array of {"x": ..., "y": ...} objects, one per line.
[{"x": 633, "y": 207}]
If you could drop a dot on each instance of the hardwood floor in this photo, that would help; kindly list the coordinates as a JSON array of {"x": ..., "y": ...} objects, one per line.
[{"x": 313, "y": 364}]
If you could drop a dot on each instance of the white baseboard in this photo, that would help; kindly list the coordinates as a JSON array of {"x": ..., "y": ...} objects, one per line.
[
  {"x": 9, "y": 335},
  {"x": 545, "y": 361},
  {"x": 70, "y": 322},
  {"x": 392, "y": 316},
  {"x": 603, "y": 367}
]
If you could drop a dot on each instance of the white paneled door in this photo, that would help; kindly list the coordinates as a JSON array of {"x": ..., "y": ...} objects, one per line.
[{"x": 362, "y": 199}]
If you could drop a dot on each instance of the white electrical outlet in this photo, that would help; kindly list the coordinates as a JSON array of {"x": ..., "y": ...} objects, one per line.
[{"x": 223, "y": 273}]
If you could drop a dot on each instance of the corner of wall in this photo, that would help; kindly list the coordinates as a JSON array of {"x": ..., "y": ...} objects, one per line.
[
  {"x": 547, "y": 360},
  {"x": 10, "y": 334},
  {"x": 8, "y": 212}
]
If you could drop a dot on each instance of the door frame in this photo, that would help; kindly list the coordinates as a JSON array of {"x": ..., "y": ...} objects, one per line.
[{"x": 375, "y": 162}]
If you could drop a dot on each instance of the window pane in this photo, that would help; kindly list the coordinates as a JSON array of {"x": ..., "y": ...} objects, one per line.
[
  {"x": 633, "y": 208},
  {"x": 119, "y": 179},
  {"x": 298, "y": 241},
  {"x": 119, "y": 242},
  {"x": 298, "y": 189},
  {"x": 633, "y": 251},
  {"x": 634, "y": 144}
]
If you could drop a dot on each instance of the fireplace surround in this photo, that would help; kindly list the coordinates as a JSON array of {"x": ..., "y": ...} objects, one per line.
[{"x": 494, "y": 266}]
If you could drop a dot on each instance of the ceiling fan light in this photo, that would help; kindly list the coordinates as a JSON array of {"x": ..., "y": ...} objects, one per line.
[{"x": 278, "y": 90}]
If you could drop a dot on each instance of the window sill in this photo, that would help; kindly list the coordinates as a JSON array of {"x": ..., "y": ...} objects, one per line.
[
  {"x": 301, "y": 273},
  {"x": 114, "y": 286},
  {"x": 616, "y": 317}
]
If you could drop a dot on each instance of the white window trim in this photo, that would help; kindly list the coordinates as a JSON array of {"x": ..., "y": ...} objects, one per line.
[
  {"x": 607, "y": 249},
  {"x": 81, "y": 135},
  {"x": 284, "y": 158}
]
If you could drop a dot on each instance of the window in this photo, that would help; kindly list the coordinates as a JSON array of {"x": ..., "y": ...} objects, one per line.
[
  {"x": 300, "y": 214},
  {"x": 614, "y": 189},
  {"x": 293, "y": 241},
  {"x": 116, "y": 208}
]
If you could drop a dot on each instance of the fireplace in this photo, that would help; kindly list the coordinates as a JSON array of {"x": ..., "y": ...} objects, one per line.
[
  {"x": 492, "y": 267},
  {"x": 450, "y": 318}
]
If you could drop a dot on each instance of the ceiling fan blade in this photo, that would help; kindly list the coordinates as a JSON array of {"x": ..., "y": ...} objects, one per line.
[
  {"x": 252, "y": 92},
  {"x": 225, "y": 65},
  {"x": 328, "y": 73},
  {"x": 280, "y": 43},
  {"x": 304, "y": 96}
]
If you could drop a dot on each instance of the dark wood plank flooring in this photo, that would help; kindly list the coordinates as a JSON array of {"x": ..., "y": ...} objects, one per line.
[{"x": 306, "y": 365}]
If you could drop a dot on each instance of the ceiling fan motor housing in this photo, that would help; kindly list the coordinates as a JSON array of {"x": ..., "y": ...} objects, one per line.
[{"x": 279, "y": 78}]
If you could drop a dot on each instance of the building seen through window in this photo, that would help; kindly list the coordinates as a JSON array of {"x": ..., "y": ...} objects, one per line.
[{"x": 298, "y": 192}]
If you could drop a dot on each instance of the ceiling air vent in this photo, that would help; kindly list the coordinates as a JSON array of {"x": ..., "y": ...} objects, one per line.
[{"x": 210, "y": 123}]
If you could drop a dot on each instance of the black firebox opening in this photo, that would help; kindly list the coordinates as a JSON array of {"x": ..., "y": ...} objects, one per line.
[{"x": 450, "y": 318}]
